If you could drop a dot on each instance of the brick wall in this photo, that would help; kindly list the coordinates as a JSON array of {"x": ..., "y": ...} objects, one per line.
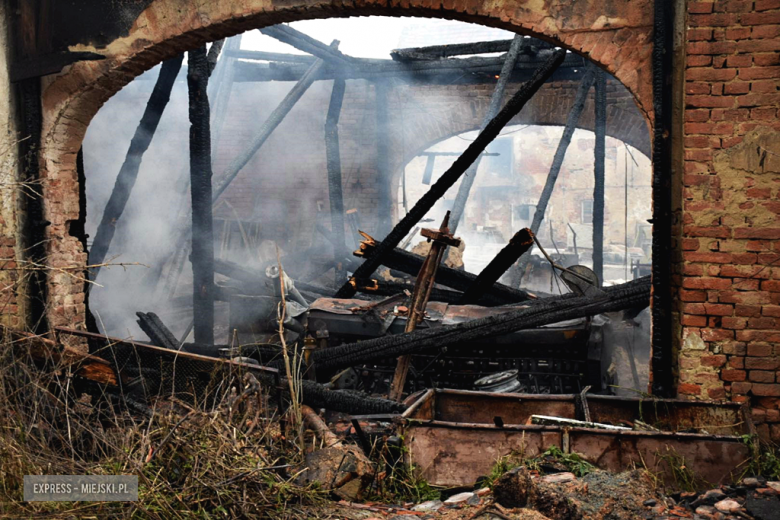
[{"x": 729, "y": 294}]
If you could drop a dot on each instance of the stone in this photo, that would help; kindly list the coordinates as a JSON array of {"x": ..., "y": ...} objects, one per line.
[
  {"x": 650, "y": 503},
  {"x": 705, "y": 510},
  {"x": 767, "y": 491},
  {"x": 728, "y": 506},
  {"x": 404, "y": 517},
  {"x": 709, "y": 498},
  {"x": 474, "y": 500},
  {"x": 750, "y": 482},
  {"x": 430, "y": 505},
  {"x": 559, "y": 478},
  {"x": 482, "y": 492},
  {"x": 773, "y": 485},
  {"x": 460, "y": 498}
]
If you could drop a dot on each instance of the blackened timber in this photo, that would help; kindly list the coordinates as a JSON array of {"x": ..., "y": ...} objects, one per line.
[
  {"x": 276, "y": 117},
  {"x": 519, "y": 244},
  {"x": 200, "y": 188},
  {"x": 335, "y": 188},
  {"x": 455, "y": 171},
  {"x": 459, "y": 206},
  {"x": 305, "y": 43},
  {"x": 635, "y": 293},
  {"x": 410, "y": 263},
  {"x": 598, "y": 172},
  {"x": 271, "y": 56},
  {"x": 128, "y": 173},
  {"x": 213, "y": 54},
  {"x": 560, "y": 153},
  {"x": 459, "y": 49},
  {"x": 663, "y": 364},
  {"x": 158, "y": 333},
  {"x": 384, "y": 208}
]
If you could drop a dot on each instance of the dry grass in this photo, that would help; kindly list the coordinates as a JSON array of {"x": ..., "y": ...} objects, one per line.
[{"x": 231, "y": 461}]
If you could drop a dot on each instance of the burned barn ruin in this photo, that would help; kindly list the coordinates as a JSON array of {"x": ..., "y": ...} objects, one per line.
[{"x": 574, "y": 204}]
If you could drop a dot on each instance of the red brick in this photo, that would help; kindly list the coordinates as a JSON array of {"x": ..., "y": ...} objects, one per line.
[
  {"x": 716, "y": 393},
  {"x": 696, "y": 87},
  {"x": 709, "y": 258},
  {"x": 700, "y": 7},
  {"x": 771, "y": 310},
  {"x": 765, "y": 5},
  {"x": 705, "y": 74},
  {"x": 761, "y": 376},
  {"x": 763, "y": 323},
  {"x": 711, "y": 48},
  {"x": 747, "y": 310},
  {"x": 697, "y": 116},
  {"x": 741, "y": 388},
  {"x": 770, "y": 285},
  {"x": 715, "y": 361},
  {"x": 697, "y": 34},
  {"x": 758, "y": 349},
  {"x": 710, "y": 232},
  {"x": 758, "y": 100},
  {"x": 762, "y": 363},
  {"x": 737, "y": 362},
  {"x": 737, "y": 87},
  {"x": 733, "y": 6},
  {"x": 723, "y": 128},
  {"x": 737, "y": 33},
  {"x": 755, "y": 46},
  {"x": 766, "y": 389},
  {"x": 751, "y": 73},
  {"x": 692, "y": 296},
  {"x": 711, "y": 334},
  {"x": 733, "y": 375},
  {"x": 766, "y": 31},
  {"x": 694, "y": 308},
  {"x": 701, "y": 60},
  {"x": 719, "y": 309},
  {"x": 766, "y": 59},
  {"x": 760, "y": 232},
  {"x": 734, "y": 323},
  {"x": 759, "y": 335},
  {"x": 745, "y": 271},
  {"x": 688, "y": 389},
  {"x": 715, "y": 20},
  {"x": 697, "y": 141},
  {"x": 706, "y": 283},
  {"x": 739, "y": 61},
  {"x": 759, "y": 18},
  {"x": 693, "y": 269},
  {"x": 690, "y": 244}
]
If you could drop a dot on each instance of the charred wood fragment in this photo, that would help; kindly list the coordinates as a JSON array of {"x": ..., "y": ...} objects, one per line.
[
  {"x": 213, "y": 54},
  {"x": 459, "y": 206},
  {"x": 457, "y": 169},
  {"x": 346, "y": 401},
  {"x": 305, "y": 43},
  {"x": 410, "y": 263},
  {"x": 158, "y": 333},
  {"x": 519, "y": 244},
  {"x": 335, "y": 187},
  {"x": 201, "y": 190},
  {"x": 542, "y": 312},
  {"x": 128, "y": 173},
  {"x": 459, "y": 49}
]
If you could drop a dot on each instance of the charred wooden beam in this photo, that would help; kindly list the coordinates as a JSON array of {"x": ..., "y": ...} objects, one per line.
[
  {"x": 598, "y": 172},
  {"x": 346, "y": 401},
  {"x": 221, "y": 86},
  {"x": 273, "y": 121},
  {"x": 213, "y": 55},
  {"x": 624, "y": 296},
  {"x": 271, "y": 56},
  {"x": 459, "y": 206},
  {"x": 158, "y": 333},
  {"x": 201, "y": 190},
  {"x": 335, "y": 186},
  {"x": 410, "y": 263},
  {"x": 530, "y": 46},
  {"x": 128, "y": 173},
  {"x": 453, "y": 154},
  {"x": 560, "y": 153},
  {"x": 457, "y": 169},
  {"x": 385, "y": 207},
  {"x": 305, "y": 43},
  {"x": 519, "y": 244},
  {"x": 447, "y": 70}
]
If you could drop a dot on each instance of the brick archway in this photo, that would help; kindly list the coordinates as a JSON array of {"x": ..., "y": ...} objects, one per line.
[{"x": 615, "y": 35}]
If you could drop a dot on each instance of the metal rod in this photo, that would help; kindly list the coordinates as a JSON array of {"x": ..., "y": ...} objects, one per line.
[
  {"x": 459, "y": 206},
  {"x": 461, "y": 164},
  {"x": 200, "y": 182},
  {"x": 598, "y": 173}
]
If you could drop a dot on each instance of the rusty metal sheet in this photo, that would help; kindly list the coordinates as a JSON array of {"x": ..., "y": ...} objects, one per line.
[
  {"x": 478, "y": 407},
  {"x": 714, "y": 459}
]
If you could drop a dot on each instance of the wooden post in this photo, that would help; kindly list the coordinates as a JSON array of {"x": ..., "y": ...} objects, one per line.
[
  {"x": 455, "y": 171},
  {"x": 335, "y": 188},
  {"x": 128, "y": 173},
  {"x": 459, "y": 206},
  {"x": 384, "y": 209},
  {"x": 200, "y": 180},
  {"x": 422, "y": 291},
  {"x": 598, "y": 172}
]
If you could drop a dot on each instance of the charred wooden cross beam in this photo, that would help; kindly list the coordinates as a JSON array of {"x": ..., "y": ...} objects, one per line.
[
  {"x": 410, "y": 263},
  {"x": 200, "y": 188},
  {"x": 459, "y": 206},
  {"x": 422, "y": 291},
  {"x": 560, "y": 153},
  {"x": 598, "y": 171},
  {"x": 519, "y": 244},
  {"x": 634, "y": 294},
  {"x": 128, "y": 173},
  {"x": 273, "y": 121},
  {"x": 305, "y": 43},
  {"x": 529, "y": 46},
  {"x": 455, "y": 171}
]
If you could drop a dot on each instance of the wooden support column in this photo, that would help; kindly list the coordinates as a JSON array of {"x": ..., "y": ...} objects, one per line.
[
  {"x": 598, "y": 172},
  {"x": 560, "y": 153},
  {"x": 128, "y": 173},
  {"x": 385, "y": 208},
  {"x": 335, "y": 187},
  {"x": 459, "y": 206},
  {"x": 200, "y": 180},
  {"x": 440, "y": 187}
]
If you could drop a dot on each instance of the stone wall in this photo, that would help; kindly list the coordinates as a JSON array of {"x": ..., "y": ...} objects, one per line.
[{"x": 729, "y": 272}]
